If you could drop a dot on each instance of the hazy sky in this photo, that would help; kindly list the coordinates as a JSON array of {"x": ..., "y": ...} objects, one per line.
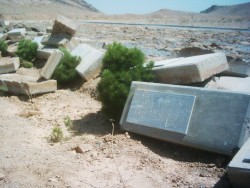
[{"x": 147, "y": 6}]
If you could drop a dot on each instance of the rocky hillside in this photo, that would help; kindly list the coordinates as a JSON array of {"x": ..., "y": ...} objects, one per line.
[
  {"x": 240, "y": 10},
  {"x": 46, "y": 9}
]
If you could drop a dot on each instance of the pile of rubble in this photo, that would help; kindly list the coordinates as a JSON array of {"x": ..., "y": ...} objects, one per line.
[{"x": 24, "y": 81}]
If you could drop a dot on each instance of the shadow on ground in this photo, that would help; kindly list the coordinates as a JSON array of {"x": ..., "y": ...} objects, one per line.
[{"x": 94, "y": 123}]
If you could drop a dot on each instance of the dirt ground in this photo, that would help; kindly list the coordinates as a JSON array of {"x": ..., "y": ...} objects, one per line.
[{"x": 29, "y": 159}]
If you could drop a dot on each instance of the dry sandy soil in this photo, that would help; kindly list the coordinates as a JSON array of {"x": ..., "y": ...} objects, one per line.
[{"x": 29, "y": 159}]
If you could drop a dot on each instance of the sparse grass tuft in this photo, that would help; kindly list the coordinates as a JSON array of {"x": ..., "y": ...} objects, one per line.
[
  {"x": 67, "y": 121},
  {"x": 57, "y": 134}
]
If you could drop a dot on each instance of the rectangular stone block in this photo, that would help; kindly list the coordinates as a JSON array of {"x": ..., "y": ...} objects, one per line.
[
  {"x": 38, "y": 40},
  {"x": 3, "y": 36},
  {"x": 64, "y": 25},
  {"x": 12, "y": 49},
  {"x": 17, "y": 32},
  {"x": 44, "y": 53},
  {"x": 28, "y": 85},
  {"x": 239, "y": 168},
  {"x": 51, "y": 64},
  {"x": 241, "y": 69},
  {"x": 191, "y": 69},
  {"x": 212, "y": 120},
  {"x": 8, "y": 65},
  {"x": 230, "y": 83},
  {"x": 91, "y": 64},
  {"x": 56, "y": 40}
]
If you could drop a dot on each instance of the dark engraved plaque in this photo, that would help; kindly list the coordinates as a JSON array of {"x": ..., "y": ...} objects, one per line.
[{"x": 162, "y": 110}]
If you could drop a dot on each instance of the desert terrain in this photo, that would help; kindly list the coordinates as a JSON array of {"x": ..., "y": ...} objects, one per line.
[{"x": 107, "y": 157}]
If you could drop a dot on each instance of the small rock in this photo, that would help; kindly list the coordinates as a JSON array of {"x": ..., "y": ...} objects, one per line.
[
  {"x": 78, "y": 149},
  {"x": 127, "y": 135},
  {"x": 2, "y": 176}
]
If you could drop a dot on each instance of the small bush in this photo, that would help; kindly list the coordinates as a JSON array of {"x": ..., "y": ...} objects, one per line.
[
  {"x": 65, "y": 71},
  {"x": 3, "y": 47},
  {"x": 26, "y": 64},
  {"x": 27, "y": 50},
  {"x": 121, "y": 66},
  {"x": 56, "y": 135},
  {"x": 67, "y": 121},
  {"x": 3, "y": 89}
]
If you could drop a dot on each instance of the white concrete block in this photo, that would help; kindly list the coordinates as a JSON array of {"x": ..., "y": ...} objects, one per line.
[
  {"x": 230, "y": 83},
  {"x": 51, "y": 64},
  {"x": 3, "y": 36},
  {"x": 8, "y": 65},
  {"x": 23, "y": 84},
  {"x": 64, "y": 25},
  {"x": 17, "y": 32},
  {"x": 44, "y": 53},
  {"x": 191, "y": 69},
  {"x": 38, "y": 40}
]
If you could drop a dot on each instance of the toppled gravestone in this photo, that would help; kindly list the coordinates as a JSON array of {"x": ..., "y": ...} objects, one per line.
[
  {"x": 191, "y": 69},
  {"x": 28, "y": 85},
  {"x": 230, "y": 83},
  {"x": 51, "y": 64},
  {"x": 239, "y": 168},
  {"x": 91, "y": 61},
  {"x": 64, "y": 25},
  {"x": 212, "y": 120},
  {"x": 8, "y": 65},
  {"x": 17, "y": 32}
]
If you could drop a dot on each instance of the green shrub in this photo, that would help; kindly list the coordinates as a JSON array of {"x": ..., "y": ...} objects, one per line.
[
  {"x": 27, "y": 50},
  {"x": 67, "y": 121},
  {"x": 3, "y": 47},
  {"x": 26, "y": 64},
  {"x": 65, "y": 71},
  {"x": 3, "y": 89},
  {"x": 121, "y": 66},
  {"x": 56, "y": 135}
]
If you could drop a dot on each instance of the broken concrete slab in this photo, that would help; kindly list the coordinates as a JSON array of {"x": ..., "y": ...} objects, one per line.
[
  {"x": 8, "y": 65},
  {"x": 91, "y": 61},
  {"x": 64, "y": 25},
  {"x": 17, "y": 32},
  {"x": 45, "y": 52},
  {"x": 240, "y": 69},
  {"x": 190, "y": 51},
  {"x": 29, "y": 71},
  {"x": 12, "y": 49},
  {"x": 239, "y": 168},
  {"x": 212, "y": 120},
  {"x": 230, "y": 83},
  {"x": 51, "y": 64},
  {"x": 3, "y": 36},
  {"x": 191, "y": 69},
  {"x": 55, "y": 40},
  {"x": 28, "y": 85},
  {"x": 38, "y": 40},
  {"x": 70, "y": 45}
]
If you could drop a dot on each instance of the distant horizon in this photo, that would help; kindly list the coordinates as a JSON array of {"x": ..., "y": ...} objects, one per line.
[{"x": 148, "y": 6}]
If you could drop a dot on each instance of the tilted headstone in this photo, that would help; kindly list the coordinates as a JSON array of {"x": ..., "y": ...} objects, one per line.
[
  {"x": 51, "y": 64},
  {"x": 64, "y": 25},
  {"x": 212, "y": 120},
  {"x": 239, "y": 168},
  {"x": 191, "y": 69}
]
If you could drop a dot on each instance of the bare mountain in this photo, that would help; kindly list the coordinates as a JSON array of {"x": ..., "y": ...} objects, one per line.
[
  {"x": 46, "y": 9},
  {"x": 240, "y": 10}
]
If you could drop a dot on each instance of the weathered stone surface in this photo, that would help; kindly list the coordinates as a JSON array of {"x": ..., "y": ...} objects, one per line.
[
  {"x": 70, "y": 45},
  {"x": 17, "y": 32},
  {"x": 38, "y": 40},
  {"x": 48, "y": 29},
  {"x": 3, "y": 36},
  {"x": 64, "y": 25},
  {"x": 212, "y": 120},
  {"x": 239, "y": 168},
  {"x": 190, "y": 51},
  {"x": 8, "y": 65},
  {"x": 230, "y": 83},
  {"x": 191, "y": 69},
  {"x": 15, "y": 39},
  {"x": 29, "y": 71},
  {"x": 91, "y": 62},
  {"x": 4, "y": 23},
  {"x": 12, "y": 49},
  {"x": 240, "y": 68},
  {"x": 44, "y": 53},
  {"x": 51, "y": 64},
  {"x": 56, "y": 40},
  {"x": 23, "y": 84}
]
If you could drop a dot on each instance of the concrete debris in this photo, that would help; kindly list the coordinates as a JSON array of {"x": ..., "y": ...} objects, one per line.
[
  {"x": 12, "y": 49},
  {"x": 38, "y": 40},
  {"x": 3, "y": 36},
  {"x": 191, "y": 69},
  {"x": 4, "y": 23},
  {"x": 55, "y": 40},
  {"x": 230, "y": 83},
  {"x": 44, "y": 53},
  {"x": 28, "y": 85},
  {"x": 189, "y": 116},
  {"x": 64, "y": 25},
  {"x": 239, "y": 168},
  {"x": 190, "y": 51},
  {"x": 237, "y": 67},
  {"x": 48, "y": 29},
  {"x": 51, "y": 64},
  {"x": 17, "y": 32},
  {"x": 8, "y": 65},
  {"x": 91, "y": 61}
]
